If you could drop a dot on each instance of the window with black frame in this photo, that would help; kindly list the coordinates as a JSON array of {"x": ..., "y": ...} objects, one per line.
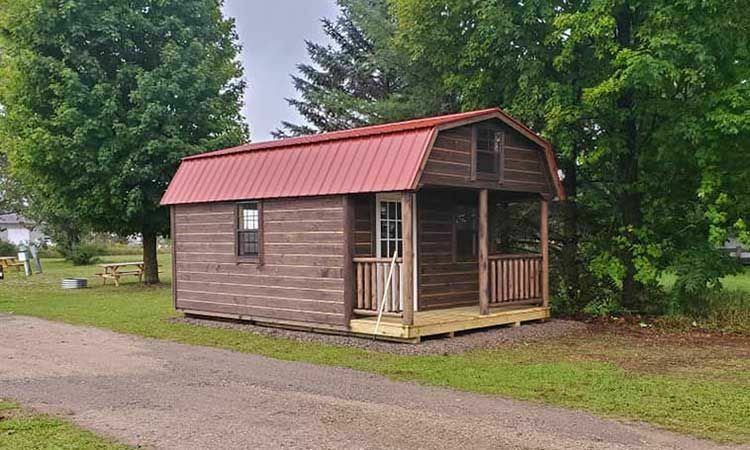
[
  {"x": 488, "y": 154},
  {"x": 465, "y": 229},
  {"x": 248, "y": 242}
]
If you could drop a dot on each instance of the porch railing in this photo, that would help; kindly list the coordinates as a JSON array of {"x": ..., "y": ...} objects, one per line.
[
  {"x": 372, "y": 274},
  {"x": 515, "y": 278}
]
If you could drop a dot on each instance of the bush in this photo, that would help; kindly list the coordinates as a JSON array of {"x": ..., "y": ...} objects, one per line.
[
  {"x": 726, "y": 311},
  {"x": 50, "y": 252},
  {"x": 8, "y": 249},
  {"x": 118, "y": 249},
  {"x": 84, "y": 254}
]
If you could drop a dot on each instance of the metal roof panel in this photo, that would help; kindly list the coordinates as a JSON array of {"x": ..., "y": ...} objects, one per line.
[{"x": 369, "y": 159}]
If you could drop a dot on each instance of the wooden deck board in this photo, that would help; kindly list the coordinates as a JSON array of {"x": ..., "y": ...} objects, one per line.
[{"x": 449, "y": 320}]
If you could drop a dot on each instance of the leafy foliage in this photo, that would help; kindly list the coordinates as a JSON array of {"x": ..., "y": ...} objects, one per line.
[
  {"x": 84, "y": 254},
  {"x": 8, "y": 249},
  {"x": 102, "y": 99},
  {"x": 11, "y": 199},
  {"x": 352, "y": 81},
  {"x": 648, "y": 104}
]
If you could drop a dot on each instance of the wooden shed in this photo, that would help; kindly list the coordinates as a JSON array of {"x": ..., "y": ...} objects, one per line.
[{"x": 302, "y": 232}]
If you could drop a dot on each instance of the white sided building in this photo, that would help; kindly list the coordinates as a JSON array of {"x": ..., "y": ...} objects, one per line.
[{"x": 17, "y": 230}]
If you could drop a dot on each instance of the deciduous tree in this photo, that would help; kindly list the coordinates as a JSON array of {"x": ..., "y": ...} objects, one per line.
[
  {"x": 647, "y": 103},
  {"x": 103, "y": 99}
]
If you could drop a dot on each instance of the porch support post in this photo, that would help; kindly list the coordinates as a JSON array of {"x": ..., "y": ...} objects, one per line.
[
  {"x": 407, "y": 287},
  {"x": 484, "y": 262},
  {"x": 544, "y": 243}
]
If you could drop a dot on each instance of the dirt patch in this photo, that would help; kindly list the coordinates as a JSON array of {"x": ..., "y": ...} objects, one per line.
[
  {"x": 462, "y": 342},
  {"x": 652, "y": 350}
]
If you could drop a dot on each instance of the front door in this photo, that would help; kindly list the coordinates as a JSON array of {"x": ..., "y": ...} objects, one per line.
[{"x": 388, "y": 228}]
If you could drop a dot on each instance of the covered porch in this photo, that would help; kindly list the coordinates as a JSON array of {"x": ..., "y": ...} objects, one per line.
[
  {"x": 451, "y": 271},
  {"x": 447, "y": 321}
]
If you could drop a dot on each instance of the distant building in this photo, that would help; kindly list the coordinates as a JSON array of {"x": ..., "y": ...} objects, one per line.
[
  {"x": 735, "y": 249},
  {"x": 17, "y": 229}
]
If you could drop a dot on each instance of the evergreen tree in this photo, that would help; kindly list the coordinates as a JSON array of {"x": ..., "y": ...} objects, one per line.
[{"x": 348, "y": 84}]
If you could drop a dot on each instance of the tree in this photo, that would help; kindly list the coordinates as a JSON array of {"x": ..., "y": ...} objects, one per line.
[
  {"x": 644, "y": 99},
  {"x": 646, "y": 102},
  {"x": 103, "y": 99},
  {"x": 11, "y": 199},
  {"x": 665, "y": 70},
  {"x": 352, "y": 82}
]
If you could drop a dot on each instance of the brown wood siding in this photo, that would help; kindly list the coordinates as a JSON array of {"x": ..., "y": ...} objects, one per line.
[
  {"x": 364, "y": 224},
  {"x": 443, "y": 282},
  {"x": 302, "y": 275},
  {"x": 450, "y": 161}
]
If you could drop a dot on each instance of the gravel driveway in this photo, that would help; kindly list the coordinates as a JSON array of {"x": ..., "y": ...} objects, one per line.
[{"x": 167, "y": 395}]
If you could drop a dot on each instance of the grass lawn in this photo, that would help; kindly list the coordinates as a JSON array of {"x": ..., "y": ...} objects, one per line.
[
  {"x": 691, "y": 383},
  {"x": 21, "y": 429}
]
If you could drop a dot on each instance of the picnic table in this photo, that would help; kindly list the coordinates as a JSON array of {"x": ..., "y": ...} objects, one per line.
[
  {"x": 11, "y": 261},
  {"x": 113, "y": 271}
]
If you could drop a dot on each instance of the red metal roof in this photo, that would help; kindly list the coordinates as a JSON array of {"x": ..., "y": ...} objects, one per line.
[{"x": 377, "y": 158}]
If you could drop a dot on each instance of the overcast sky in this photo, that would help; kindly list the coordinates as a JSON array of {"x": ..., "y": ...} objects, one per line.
[{"x": 273, "y": 36}]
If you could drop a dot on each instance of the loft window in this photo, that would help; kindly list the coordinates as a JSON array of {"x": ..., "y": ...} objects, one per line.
[
  {"x": 248, "y": 226},
  {"x": 465, "y": 232},
  {"x": 488, "y": 151},
  {"x": 389, "y": 233}
]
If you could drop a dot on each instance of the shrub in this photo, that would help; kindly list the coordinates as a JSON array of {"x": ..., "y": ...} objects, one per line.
[
  {"x": 50, "y": 252},
  {"x": 117, "y": 249},
  {"x": 8, "y": 249},
  {"x": 726, "y": 311},
  {"x": 84, "y": 254}
]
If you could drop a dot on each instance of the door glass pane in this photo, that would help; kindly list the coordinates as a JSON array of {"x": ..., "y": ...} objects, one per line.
[{"x": 390, "y": 228}]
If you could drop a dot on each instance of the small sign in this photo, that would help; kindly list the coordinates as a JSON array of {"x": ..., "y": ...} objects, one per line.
[{"x": 23, "y": 256}]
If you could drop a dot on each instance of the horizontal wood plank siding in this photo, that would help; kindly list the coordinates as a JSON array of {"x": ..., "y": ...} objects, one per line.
[
  {"x": 443, "y": 282},
  {"x": 450, "y": 161},
  {"x": 301, "y": 278},
  {"x": 364, "y": 225}
]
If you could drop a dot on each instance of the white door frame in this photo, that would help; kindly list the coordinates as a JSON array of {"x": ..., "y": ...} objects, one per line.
[{"x": 396, "y": 197}]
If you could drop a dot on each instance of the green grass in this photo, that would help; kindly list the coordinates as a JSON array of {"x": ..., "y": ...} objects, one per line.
[
  {"x": 700, "y": 389},
  {"x": 20, "y": 429},
  {"x": 740, "y": 282}
]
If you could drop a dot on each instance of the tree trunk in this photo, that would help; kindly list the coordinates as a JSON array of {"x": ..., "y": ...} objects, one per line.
[
  {"x": 629, "y": 200},
  {"x": 632, "y": 216},
  {"x": 150, "y": 262},
  {"x": 569, "y": 252}
]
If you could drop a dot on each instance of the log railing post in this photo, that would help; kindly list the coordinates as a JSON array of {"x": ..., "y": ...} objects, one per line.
[
  {"x": 484, "y": 299},
  {"x": 407, "y": 224},
  {"x": 544, "y": 243}
]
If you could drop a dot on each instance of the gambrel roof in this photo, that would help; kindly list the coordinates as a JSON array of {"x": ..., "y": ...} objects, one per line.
[{"x": 377, "y": 158}]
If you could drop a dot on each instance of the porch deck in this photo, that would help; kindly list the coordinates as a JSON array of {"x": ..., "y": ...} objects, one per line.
[{"x": 447, "y": 321}]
